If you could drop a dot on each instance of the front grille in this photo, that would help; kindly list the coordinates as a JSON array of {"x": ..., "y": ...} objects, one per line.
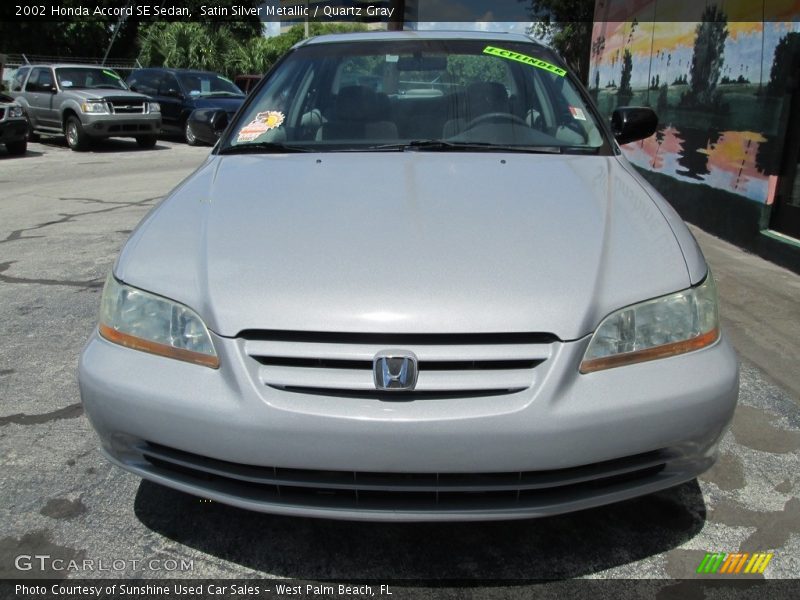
[
  {"x": 342, "y": 363},
  {"x": 127, "y": 107},
  {"x": 409, "y": 491}
]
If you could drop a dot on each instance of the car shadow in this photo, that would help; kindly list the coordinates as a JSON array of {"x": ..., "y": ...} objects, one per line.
[
  {"x": 557, "y": 547},
  {"x": 108, "y": 145},
  {"x": 4, "y": 155}
]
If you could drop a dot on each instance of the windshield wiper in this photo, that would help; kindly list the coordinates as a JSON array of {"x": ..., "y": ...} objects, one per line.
[
  {"x": 580, "y": 149},
  {"x": 445, "y": 145},
  {"x": 263, "y": 148}
]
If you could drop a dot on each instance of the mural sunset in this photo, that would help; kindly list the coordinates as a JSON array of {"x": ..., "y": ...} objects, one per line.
[{"x": 719, "y": 76}]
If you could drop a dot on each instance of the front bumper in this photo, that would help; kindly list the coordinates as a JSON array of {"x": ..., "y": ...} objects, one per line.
[
  {"x": 566, "y": 443},
  {"x": 104, "y": 125},
  {"x": 13, "y": 130}
]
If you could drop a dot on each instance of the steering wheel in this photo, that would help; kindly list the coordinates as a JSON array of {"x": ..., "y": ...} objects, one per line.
[{"x": 495, "y": 116}]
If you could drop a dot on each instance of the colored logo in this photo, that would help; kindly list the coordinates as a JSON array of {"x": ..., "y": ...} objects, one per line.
[{"x": 734, "y": 564}]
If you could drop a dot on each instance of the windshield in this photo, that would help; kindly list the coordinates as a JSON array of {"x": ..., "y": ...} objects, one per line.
[
  {"x": 89, "y": 78},
  {"x": 208, "y": 84},
  {"x": 443, "y": 95}
]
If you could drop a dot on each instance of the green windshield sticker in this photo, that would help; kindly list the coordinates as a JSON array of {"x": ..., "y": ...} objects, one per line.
[
  {"x": 528, "y": 60},
  {"x": 111, "y": 74}
]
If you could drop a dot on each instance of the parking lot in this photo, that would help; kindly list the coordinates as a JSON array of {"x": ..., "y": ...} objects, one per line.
[{"x": 63, "y": 218}]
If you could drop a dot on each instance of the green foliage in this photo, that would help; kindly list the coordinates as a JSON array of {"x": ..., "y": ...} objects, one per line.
[
  {"x": 567, "y": 26},
  {"x": 90, "y": 38},
  {"x": 241, "y": 29},
  {"x": 463, "y": 70},
  {"x": 186, "y": 45},
  {"x": 78, "y": 38},
  {"x": 213, "y": 47}
]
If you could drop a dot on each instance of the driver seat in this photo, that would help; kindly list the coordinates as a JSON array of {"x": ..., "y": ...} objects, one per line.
[{"x": 482, "y": 98}]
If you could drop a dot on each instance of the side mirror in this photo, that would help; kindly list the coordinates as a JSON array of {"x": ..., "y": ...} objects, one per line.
[
  {"x": 172, "y": 92},
  {"x": 631, "y": 123},
  {"x": 219, "y": 121},
  {"x": 132, "y": 88}
]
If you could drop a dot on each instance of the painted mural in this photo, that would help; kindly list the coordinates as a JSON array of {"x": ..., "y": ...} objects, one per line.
[{"x": 718, "y": 73}]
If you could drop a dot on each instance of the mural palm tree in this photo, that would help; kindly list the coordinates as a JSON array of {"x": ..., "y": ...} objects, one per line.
[
  {"x": 625, "y": 92},
  {"x": 784, "y": 61},
  {"x": 708, "y": 60}
]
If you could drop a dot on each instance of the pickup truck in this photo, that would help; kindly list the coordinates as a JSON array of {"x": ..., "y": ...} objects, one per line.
[
  {"x": 13, "y": 126},
  {"x": 84, "y": 103}
]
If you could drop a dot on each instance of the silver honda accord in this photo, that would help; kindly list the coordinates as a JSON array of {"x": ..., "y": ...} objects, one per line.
[{"x": 415, "y": 280}]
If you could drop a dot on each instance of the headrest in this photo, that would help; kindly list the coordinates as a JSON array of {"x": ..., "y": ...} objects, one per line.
[
  {"x": 486, "y": 97},
  {"x": 359, "y": 103}
]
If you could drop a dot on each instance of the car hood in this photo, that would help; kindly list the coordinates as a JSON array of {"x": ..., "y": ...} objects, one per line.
[
  {"x": 406, "y": 242},
  {"x": 226, "y": 104},
  {"x": 103, "y": 94}
]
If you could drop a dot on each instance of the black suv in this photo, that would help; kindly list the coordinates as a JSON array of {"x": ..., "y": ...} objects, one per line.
[
  {"x": 180, "y": 91},
  {"x": 13, "y": 126}
]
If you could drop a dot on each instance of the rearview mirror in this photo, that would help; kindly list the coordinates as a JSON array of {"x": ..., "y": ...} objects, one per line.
[
  {"x": 631, "y": 123},
  {"x": 422, "y": 63}
]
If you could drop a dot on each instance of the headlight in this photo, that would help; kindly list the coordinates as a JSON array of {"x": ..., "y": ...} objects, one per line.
[
  {"x": 674, "y": 324},
  {"x": 150, "y": 323},
  {"x": 15, "y": 112},
  {"x": 94, "y": 107},
  {"x": 153, "y": 107}
]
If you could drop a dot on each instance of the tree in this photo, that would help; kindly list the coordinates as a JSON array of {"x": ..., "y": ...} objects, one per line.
[
  {"x": 464, "y": 70},
  {"x": 662, "y": 104},
  {"x": 186, "y": 45},
  {"x": 240, "y": 28},
  {"x": 598, "y": 47},
  {"x": 69, "y": 38},
  {"x": 567, "y": 26},
  {"x": 90, "y": 37},
  {"x": 399, "y": 7},
  {"x": 708, "y": 59},
  {"x": 212, "y": 47},
  {"x": 784, "y": 63},
  {"x": 625, "y": 92},
  {"x": 258, "y": 54}
]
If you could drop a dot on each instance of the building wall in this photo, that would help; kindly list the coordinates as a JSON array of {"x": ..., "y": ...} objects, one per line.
[{"x": 719, "y": 77}]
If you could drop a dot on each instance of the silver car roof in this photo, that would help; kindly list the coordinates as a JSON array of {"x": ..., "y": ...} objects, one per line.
[{"x": 497, "y": 36}]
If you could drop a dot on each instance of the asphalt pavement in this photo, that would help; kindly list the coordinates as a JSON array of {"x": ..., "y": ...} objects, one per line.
[{"x": 63, "y": 219}]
